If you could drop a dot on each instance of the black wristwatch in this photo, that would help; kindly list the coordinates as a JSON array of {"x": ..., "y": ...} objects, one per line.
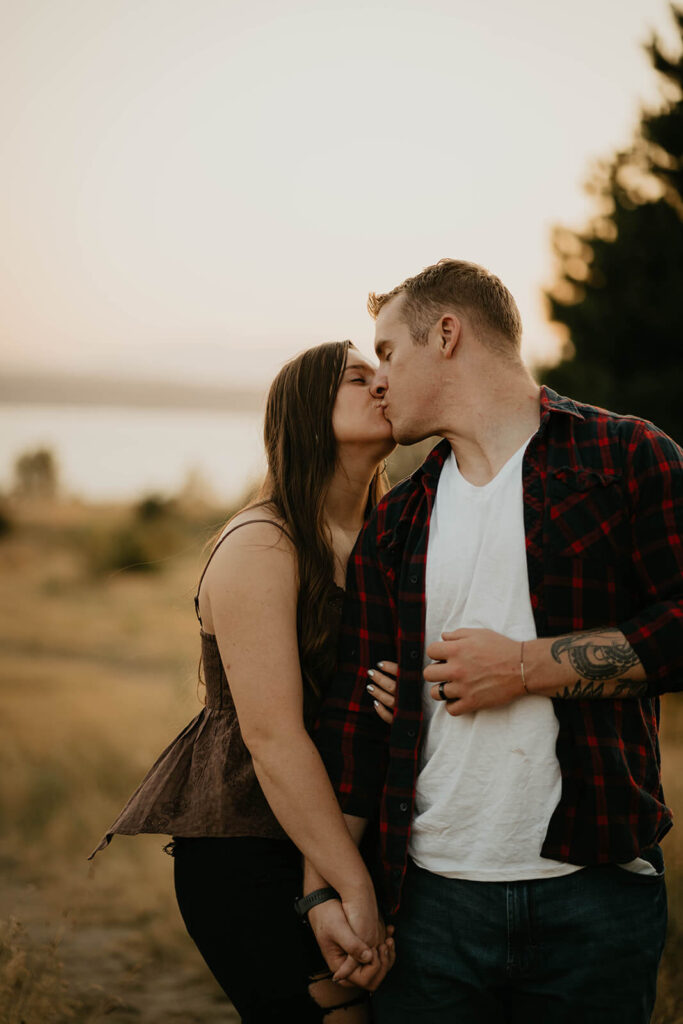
[{"x": 306, "y": 903}]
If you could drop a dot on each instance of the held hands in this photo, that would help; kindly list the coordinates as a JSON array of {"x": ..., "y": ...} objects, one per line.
[
  {"x": 352, "y": 961},
  {"x": 477, "y": 667}
]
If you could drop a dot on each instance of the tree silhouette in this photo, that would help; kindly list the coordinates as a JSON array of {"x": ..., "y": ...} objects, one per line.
[{"x": 619, "y": 291}]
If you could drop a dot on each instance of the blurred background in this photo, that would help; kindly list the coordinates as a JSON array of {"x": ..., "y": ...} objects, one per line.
[{"x": 190, "y": 193}]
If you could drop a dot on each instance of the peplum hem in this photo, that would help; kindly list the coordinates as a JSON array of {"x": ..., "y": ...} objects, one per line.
[{"x": 202, "y": 784}]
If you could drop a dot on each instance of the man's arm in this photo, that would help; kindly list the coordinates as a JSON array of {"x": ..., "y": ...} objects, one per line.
[
  {"x": 644, "y": 655},
  {"x": 598, "y": 663},
  {"x": 655, "y": 480},
  {"x": 483, "y": 669},
  {"x": 639, "y": 657}
]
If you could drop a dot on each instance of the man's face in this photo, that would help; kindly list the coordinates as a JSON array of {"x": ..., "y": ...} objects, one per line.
[{"x": 407, "y": 378}]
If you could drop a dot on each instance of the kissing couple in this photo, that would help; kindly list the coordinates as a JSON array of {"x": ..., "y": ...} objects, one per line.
[{"x": 425, "y": 785}]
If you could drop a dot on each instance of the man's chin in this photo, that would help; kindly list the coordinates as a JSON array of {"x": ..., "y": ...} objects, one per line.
[
  {"x": 406, "y": 435},
  {"x": 403, "y": 433}
]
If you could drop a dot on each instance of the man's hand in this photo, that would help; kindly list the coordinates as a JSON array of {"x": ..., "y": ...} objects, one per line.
[
  {"x": 336, "y": 938},
  {"x": 350, "y": 959},
  {"x": 479, "y": 669},
  {"x": 369, "y": 976}
]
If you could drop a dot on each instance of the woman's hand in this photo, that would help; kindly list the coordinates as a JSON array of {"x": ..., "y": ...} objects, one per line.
[{"x": 382, "y": 688}]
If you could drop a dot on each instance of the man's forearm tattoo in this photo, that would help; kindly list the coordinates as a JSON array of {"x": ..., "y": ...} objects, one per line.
[
  {"x": 629, "y": 688},
  {"x": 624, "y": 688},
  {"x": 580, "y": 689},
  {"x": 598, "y": 656},
  {"x": 592, "y": 659}
]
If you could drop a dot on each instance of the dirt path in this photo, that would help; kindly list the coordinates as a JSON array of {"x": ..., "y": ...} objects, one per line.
[{"x": 89, "y": 973}]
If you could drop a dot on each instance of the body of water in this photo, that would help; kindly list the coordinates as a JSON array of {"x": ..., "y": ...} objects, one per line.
[{"x": 117, "y": 454}]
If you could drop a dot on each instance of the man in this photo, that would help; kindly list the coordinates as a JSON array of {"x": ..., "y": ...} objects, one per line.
[{"x": 517, "y": 785}]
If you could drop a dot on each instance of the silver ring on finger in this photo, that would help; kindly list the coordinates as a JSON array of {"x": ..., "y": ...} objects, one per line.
[{"x": 442, "y": 695}]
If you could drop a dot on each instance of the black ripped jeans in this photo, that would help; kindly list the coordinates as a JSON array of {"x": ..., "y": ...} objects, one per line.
[{"x": 236, "y": 896}]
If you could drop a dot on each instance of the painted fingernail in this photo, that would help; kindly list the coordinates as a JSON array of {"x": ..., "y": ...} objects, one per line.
[
  {"x": 376, "y": 703},
  {"x": 371, "y": 671},
  {"x": 380, "y": 664},
  {"x": 370, "y": 688}
]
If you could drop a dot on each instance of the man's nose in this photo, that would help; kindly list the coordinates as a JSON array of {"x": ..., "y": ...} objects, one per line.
[{"x": 378, "y": 386}]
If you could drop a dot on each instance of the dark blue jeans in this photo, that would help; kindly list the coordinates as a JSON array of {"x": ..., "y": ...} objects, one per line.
[{"x": 580, "y": 949}]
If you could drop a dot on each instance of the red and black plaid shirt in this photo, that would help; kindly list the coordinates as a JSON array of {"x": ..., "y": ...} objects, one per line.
[{"x": 603, "y": 518}]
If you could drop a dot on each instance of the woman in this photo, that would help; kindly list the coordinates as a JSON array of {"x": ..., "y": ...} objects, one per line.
[{"x": 242, "y": 789}]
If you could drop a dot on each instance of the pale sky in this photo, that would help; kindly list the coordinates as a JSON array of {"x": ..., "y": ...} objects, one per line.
[{"x": 197, "y": 189}]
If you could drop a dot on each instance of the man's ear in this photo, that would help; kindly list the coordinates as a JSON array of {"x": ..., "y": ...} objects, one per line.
[{"x": 449, "y": 327}]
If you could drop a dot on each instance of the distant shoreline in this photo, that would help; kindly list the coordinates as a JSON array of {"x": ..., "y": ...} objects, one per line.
[{"x": 71, "y": 389}]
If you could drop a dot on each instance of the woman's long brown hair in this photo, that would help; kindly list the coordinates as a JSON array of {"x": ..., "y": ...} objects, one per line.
[{"x": 301, "y": 451}]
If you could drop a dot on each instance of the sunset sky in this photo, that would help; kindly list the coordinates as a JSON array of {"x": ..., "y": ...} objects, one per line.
[{"x": 196, "y": 189}]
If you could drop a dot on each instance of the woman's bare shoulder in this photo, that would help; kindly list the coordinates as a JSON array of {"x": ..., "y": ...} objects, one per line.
[
  {"x": 255, "y": 535},
  {"x": 258, "y": 554},
  {"x": 255, "y": 526}
]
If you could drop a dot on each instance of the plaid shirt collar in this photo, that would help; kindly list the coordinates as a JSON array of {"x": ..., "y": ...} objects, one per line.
[{"x": 430, "y": 469}]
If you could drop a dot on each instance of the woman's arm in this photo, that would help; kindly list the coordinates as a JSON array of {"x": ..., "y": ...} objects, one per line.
[
  {"x": 330, "y": 928},
  {"x": 252, "y": 590}
]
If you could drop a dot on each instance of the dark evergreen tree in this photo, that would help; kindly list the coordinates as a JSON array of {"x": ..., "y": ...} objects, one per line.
[{"x": 620, "y": 281}]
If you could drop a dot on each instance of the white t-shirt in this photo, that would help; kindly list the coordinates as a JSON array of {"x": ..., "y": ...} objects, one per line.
[{"x": 489, "y": 781}]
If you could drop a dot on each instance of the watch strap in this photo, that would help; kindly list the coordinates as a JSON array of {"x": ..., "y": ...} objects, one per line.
[{"x": 306, "y": 903}]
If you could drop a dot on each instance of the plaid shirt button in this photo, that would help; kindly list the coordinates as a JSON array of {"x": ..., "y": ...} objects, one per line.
[
  {"x": 414, "y": 653},
  {"x": 403, "y": 806}
]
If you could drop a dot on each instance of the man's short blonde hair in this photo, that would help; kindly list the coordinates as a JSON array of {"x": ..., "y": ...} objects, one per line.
[{"x": 459, "y": 287}]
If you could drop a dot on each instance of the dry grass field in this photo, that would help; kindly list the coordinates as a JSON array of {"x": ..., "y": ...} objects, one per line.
[{"x": 98, "y": 671}]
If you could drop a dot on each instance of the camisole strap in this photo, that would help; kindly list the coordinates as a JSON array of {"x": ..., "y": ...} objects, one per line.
[{"x": 247, "y": 522}]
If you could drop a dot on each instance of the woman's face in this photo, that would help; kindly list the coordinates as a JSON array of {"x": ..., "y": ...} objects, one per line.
[{"x": 357, "y": 417}]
